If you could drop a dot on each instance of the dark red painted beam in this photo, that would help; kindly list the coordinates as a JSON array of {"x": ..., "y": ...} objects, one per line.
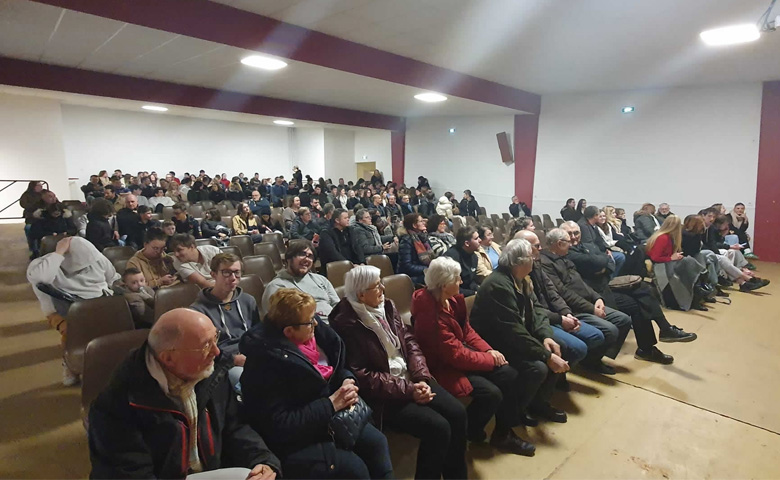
[
  {"x": 230, "y": 26},
  {"x": 398, "y": 155},
  {"x": 22, "y": 73},
  {"x": 526, "y": 134},
  {"x": 767, "y": 222}
]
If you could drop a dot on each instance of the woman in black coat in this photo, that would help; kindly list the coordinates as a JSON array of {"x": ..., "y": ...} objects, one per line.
[
  {"x": 569, "y": 213},
  {"x": 99, "y": 232},
  {"x": 294, "y": 381}
]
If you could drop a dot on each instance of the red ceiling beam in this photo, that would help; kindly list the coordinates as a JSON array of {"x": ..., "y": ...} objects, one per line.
[
  {"x": 230, "y": 26},
  {"x": 22, "y": 73}
]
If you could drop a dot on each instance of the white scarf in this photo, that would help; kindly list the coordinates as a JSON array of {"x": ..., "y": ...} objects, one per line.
[{"x": 373, "y": 318}]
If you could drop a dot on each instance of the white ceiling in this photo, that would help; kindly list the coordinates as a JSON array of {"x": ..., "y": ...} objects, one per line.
[
  {"x": 550, "y": 46},
  {"x": 43, "y": 33}
]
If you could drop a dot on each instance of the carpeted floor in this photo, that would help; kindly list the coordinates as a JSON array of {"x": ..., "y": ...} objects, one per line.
[{"x": 712, "y": 414}]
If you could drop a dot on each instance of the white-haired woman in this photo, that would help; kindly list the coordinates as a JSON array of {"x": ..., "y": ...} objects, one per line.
[
  {"x": 504, "y": 316},
  {"x": 462, "y": 362},
  {"x": 393, "y": 376}
]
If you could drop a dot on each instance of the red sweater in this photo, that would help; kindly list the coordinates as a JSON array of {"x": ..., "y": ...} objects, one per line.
[
  {"x": 451, "y": 347},
  {"x": 662, "y": 249}
]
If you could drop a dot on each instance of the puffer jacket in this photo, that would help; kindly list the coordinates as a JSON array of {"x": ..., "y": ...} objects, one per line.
[{"x": 444, "y": 207}]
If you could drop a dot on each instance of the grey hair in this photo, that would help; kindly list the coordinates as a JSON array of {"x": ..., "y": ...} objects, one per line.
[
  {"x": 556, "y": 235},
  {"x": 359, "y": 279},
  {"x": 570, "y": 224},
  {"x": 442, "y": 271},
  {"x": 516, "y": 252}
]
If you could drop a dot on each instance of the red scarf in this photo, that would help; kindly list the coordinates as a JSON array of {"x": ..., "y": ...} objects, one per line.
[{"x": 309, "y": 349}]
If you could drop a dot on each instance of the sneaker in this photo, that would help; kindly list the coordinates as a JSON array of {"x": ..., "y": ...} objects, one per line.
[
  {"x": 750, "y": 286},
  {"x": 69, "y": 378},
  {"x": 511, "y": 443},
  {"x": 676, "y": 334},
  {"x": 653, "y": 355},
  {"x": 759, "y": 281},
  {"x": 751, "y": 256},
  {"x": 750, "y": 266}
]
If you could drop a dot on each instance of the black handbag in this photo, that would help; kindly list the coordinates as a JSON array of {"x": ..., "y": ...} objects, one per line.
[{"x": 347, "y": 424}]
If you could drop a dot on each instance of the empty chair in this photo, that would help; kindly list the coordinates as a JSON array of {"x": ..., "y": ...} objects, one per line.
[
  {"x": 275, "y": 238},
  {"x": 547, "y": 222},
  {"x": 206, "y": 241},
  {"x": 494, "y": 217},
  {"x": 277, "y": 219},
  {"x": 538, "y": 222},
  {"x": 120, "y": 265},
  {"x": 482, "y": 211},
  {"x": 101, "y": 357},
  {"x": 90, "y": 319},
  {"x": 471, "y": 221},
  {"x": 341, "y": 291},
  {"x": 501, "y": 223},
  {"x": 457, "y": 224},
  {"x": 195, "y": 211},
  {"x": 260, "y": 265},
  {"x": 469, "y": 303},
  {"x": 167, "y": 213},
  {"x": 483, "y": 220},
  {"x": 243, "y": 242},
  {"x": 542, "y": 236},
  {"x": 271, "y": 251},
  {"x": 232, "y": 249},
  {"x": 177, "y": 296},
  {"x": 278, "y": 210},
  {"x": 118, "y": 253},
  {"x": 157, "y": 216},
  {"x": 206, "y": 204},
  {"x": 336, "y": 271},
  {"x": 222, "y": 210},
  {"x": 252, "y": 285},
  {"x": 559, "y": 221},
  {"x": 399, "y": 288},
  {"x": 506, "y": 216},
  {"x": 383, "y": 263},
  {"x": 498, "y": 235}
]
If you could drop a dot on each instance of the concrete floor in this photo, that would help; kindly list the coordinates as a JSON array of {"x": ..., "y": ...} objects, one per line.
[{"x": 712, "y": 414}]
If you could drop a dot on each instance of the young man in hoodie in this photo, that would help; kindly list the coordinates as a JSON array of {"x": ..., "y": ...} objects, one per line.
[{"x": 231, "y": 311}]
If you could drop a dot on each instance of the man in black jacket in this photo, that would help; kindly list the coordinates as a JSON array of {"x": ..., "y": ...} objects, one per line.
[
  {"x": 517, "y": 207},
  {"x": 469, "y": 206},
  {"x": 464, "y": 252},
  {"x": 170, "y": 411},
  {"x": 592, "y": 237},
  {"x": 127, "y": 218},
  {"x": 335, "y": 242}
]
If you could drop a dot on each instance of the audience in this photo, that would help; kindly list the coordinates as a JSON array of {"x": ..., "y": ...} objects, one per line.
[
  {"x": 304, "y": 227},
  {"x": 518, "y": 208},
  {"x": 592, "y": 238},
  {"x": 487, "y": 254},
  {"x": 645, "y": 222},
  {"x": 192, "y": 261},
  {"x": 440, "y": 239},
  {"x": 366, "y": 239},
  {"x": 156, "y": 266},
  {"x": 212, "y": 226},
  {"x": 245, "y": 223},
  {"x": 462, "y": 362},
  {"x": 468, "y": 205},
  {"x": 464, "y": 252},
  {"x": 168, "y": 400},
  {"x": 393, "y": 376},
  {"x": 140, "y": 298},
  {"x": 569, "y": 212},
  {"x": 414, "y": 250},
  {"x": 336, "y": 240},
  {"x": 184, "y": 222},
  {"x": 738, "y": 225},
  {"x": 100, "y": 232},
  {"x": 444, "y": 207}
]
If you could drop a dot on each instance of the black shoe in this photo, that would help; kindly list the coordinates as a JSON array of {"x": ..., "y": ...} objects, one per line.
[
  {"x": 478, "y": 437},
  {"x": 759, "y": 281},
  {"x": 511, "y": 443},
  {"x": 654, "y": 355},
  {"x": 699, "y": 307},
  {"x": 721, "y": 293},
  {"x": 548, "y": 412},
  {"x": 599, "y": 367},
  {"x": 562, "y": 384},
  {"x": 710, "y": 300},
  {"x": 749, "y": 286},
  {"x": 725, "y": 282},
  {"x": 676, "y": 334},
  {"x": 528, "y": 421}
]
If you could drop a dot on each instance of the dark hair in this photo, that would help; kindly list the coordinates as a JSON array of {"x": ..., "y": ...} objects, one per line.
[
  {"x": 186, "y": 180},
  {"x": 720, "y": 220},
  {"x": 182, "y": 240},
  {"x": 143, "y": 209},
  {"x": 197, "y": 185},
  {"x": 590, "y": 211},
  {"x": 360, "y": 212},
  {"x": 224, "y": 258},
  {"x": 102, "y": 207},
  {"x": 153, "y": 234},
  {"x": 464, "y": 235},
  {"x": 707, "y": 211},
  {"x": 579, "y": 204},
  {"x": 409, "y": 220},
  {"x": 694, "y": 224},
  {"x": 297, "y": 247},
  {"x": 134, "y": 186},
  {"x": 110, "y": 187},
  {"x": 180, "y": 206},
  {"x": 434, "y": 221},
  {"x": 130, "y": 271},
  {"x": 467, "y": 192},
  {"x": 31, "y": 186},
  {"x": 327, "y": 208},
  {"x": 159, "y": 189},
  {"x": 337, "y": 213},
  {"x": 214, "y": 214},
  {"x": 168, "y": 223},
  {"x": 483, "y": 230}
]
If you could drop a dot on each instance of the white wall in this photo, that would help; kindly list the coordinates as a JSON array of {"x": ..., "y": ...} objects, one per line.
[
  {"x": 689, "y": 147},
  {"x": 30, "y": 147},
  {"x": 467, "y": 159},
  {"x": 97, "y": 139},
  {"x": 374, "y": 146},
  {"x": 308, "y": 145},
  {"x": 339, "y": 154}
]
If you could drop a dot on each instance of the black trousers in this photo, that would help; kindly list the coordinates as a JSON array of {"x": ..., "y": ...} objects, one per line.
[
  {"x": 643, "y": 309},
  {"x": 495, "y": 393},
  {"x": 537, "y": 383},
  {"x": 441, "y": 427}
]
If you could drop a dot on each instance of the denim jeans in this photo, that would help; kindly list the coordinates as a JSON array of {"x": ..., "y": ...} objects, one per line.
[
  {"x": 620, "y": 259},
  {"x": 615, "y": 328},
  {"x": 575, "y": 346}
]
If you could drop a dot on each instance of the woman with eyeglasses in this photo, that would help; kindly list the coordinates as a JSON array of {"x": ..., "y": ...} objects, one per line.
[
  {"x": 295, "y": 379},
  {"x": 394, "y": 379}
]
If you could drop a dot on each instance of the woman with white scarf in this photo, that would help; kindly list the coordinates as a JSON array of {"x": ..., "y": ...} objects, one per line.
[
  {"x": 77, "y": 268},
  {"x": 393, "y": 376}
]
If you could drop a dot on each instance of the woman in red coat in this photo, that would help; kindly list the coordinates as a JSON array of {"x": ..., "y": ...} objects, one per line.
[{"x": 462, "y": 362}]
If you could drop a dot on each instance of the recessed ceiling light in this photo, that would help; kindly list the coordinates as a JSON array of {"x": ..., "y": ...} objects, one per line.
[
  {"x": 628, "y": 110},
  {"x": 430, "y": 97},
  {"x": 730, "y": 35},
  {"x": 154, "y": 108},
  {"x": 452, "y": 130},
  {"x": 284, "y": 122},
  {"x": 261, "y": 61}
]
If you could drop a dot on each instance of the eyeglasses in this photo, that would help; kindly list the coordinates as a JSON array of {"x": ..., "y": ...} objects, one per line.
[
  {"x": 379, "y": 286},
  {"x": 205, "y": 350},
  {"x": 310, "y": 256},
  {"x": 229, "y": 273},
  {"x": 311, "y": 323}
]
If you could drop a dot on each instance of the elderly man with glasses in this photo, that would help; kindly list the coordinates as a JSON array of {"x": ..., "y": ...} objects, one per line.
[
  {"x": 232, "y": 311},
  {"x": 169, "y": 411},
  {"x": 298, "y": 275}
]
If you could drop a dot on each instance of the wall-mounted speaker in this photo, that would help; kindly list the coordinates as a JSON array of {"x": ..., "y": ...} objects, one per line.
[{"x": 506, "y": 148}]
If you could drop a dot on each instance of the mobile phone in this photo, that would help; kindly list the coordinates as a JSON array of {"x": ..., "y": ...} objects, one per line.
[{"x": 315, "y": 238}]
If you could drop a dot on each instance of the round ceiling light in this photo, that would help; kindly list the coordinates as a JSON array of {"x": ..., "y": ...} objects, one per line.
[
  {"x": 430, "y": 97},
  {"x": 154, "y": 108},
  {"x": 263, "y": 62},
  {"x": 286, "y": 123}
]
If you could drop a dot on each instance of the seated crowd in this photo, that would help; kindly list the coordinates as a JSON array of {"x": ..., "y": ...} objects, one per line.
[{"x": 268, "y": 384}]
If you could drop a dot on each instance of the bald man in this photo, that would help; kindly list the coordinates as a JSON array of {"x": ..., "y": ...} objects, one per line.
[
  {"x": 127, "y": 218},
  {"x": 169, "y": 410}
]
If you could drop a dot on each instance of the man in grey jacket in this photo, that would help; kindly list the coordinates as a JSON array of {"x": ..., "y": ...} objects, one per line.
[{"x": 231, "y": 311}]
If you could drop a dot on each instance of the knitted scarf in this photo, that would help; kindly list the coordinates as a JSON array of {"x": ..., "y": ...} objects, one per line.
[
  {"x": 310, "y": 351},
  {"x": 422, "y": 247}
]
